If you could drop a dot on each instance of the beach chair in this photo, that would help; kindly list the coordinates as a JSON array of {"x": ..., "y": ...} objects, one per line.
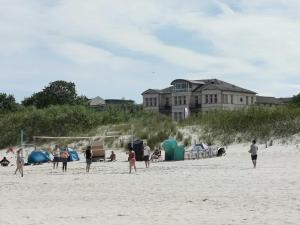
[{"x": 98, "y": 151}]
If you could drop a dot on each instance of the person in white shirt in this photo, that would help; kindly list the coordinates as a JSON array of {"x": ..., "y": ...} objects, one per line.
[
  {"x": 147, "y": 155},
  {"x": 56, "y": 155}
]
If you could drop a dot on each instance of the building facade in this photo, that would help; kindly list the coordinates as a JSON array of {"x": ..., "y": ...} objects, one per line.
[{"x": 188, "y": 96}]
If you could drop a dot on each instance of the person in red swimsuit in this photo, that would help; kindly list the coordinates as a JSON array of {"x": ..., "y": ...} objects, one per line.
[{"x": 132, "y": 160}]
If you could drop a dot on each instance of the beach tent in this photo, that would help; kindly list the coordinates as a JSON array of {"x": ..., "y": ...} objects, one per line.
[
  {"x": 179, "y": 153},
  {"x": 172, "y": 150},
  {"x": 73, "y": 155},
  {"x": 138, "y": 148},
  {"x": 38, "y": 157}
]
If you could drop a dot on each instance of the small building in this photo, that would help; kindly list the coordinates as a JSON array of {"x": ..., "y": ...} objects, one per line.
[
  {"x": 271, "y": 101},
  {"x": 100, "y": 104},
  {"x": 118, "y": 102},
  {"x": 97, "y": 103}
]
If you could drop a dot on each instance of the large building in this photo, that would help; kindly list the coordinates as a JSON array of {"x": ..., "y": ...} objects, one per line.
[{"x": 188, "y": 96}]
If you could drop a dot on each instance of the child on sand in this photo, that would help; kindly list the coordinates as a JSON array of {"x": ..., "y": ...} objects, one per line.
[
  {"x": 20, "y": 161},
  {"x": 132, "y": 160},
  {"x": 253, "y": 150},
  {"x": 88, "y": 157}
]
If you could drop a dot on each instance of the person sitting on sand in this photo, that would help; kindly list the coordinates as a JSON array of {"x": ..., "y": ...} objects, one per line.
[
  {"x": 132, "y": 160},
  {"x": 4, "y": 162},
  {"x": 112, "y": 157},
  {"x": 156, "y": 155}
]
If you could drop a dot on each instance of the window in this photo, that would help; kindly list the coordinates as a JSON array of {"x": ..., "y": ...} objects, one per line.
[
  {"x": 241, "y": 99},
  {"x": 146, "y": 101},
  {"x": 231, "y": 99},
  {"x": 216, "y": 98},
  {"x": 150, "y": 104},
  {"x": 167, "y": 101},
  {"x": 225, "y": 99},
  {"x": 175, "y": 100},
  {"x": 184, "y": 100},
  {"x": 155, "y": 101},
  {"x": 206, "y": 99},
  {"x": 196, "y": 100},
  {"x": 179, "y": 100},
  {"x": 210, "y": 99},
  {"x": 247, "y": 100},
  {"x": 252, "y": 100}
]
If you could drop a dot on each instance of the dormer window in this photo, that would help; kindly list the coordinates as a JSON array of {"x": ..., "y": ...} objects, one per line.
[{"x": 183, "y": 86}]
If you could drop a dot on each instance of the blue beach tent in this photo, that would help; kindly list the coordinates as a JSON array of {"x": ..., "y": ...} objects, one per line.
[
  {"x": 73, "y": 155},
  {"x": 38, "y": 157}
]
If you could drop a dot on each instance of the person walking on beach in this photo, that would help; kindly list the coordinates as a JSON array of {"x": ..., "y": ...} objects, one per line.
[
  {"x": 56, "y": 155},
  {"x": 20, "y": 162},
  {"x": 147, "y": 155},
  {"x": 64, "y": 158},
  {"x": 132, "y": 160},
  {"x": 88, "y": 157},
  {"x": 253, "y": 150}
]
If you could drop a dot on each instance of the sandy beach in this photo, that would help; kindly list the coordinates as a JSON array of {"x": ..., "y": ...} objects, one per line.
[{"x": 224, "y": 190}]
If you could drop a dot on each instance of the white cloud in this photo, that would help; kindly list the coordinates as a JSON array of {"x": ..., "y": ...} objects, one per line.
[{"x": 253, "y": 39}]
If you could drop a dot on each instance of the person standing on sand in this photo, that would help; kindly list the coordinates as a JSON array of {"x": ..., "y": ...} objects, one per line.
[
  {"x": 132, "y": 160},
  {"x": 56, "y": 155},
  {"x": 20, "y": 161},
  {"x": 64, "y": 155},
  {"x": 253, "y": 150},
  {"x": 147, "y": 155},
  {"x": 88, "y": 157}
]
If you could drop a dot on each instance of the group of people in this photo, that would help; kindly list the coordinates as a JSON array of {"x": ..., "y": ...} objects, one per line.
[
  {"x": 61, "y": 155},
  {"x": 19, "y": 162},
  {"x": 146, "y": 157}
]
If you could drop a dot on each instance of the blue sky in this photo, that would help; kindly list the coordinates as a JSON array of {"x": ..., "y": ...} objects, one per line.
[{"x": 114, "y": 49}]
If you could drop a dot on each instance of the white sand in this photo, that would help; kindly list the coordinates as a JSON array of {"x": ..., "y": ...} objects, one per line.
[{"x": 211, "y": 191}]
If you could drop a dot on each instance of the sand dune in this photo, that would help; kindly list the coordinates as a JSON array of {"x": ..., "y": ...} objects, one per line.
[{"x": 213, "y": 191}]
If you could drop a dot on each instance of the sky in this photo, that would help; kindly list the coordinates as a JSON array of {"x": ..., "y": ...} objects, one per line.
[{"x": 120, "y": 48}]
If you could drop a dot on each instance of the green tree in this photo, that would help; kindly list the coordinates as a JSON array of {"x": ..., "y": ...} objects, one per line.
[
  {"x": 296, "y": 100},
  {"x": 7, "y": 102},
  {"x": 56, "y": 93}
]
